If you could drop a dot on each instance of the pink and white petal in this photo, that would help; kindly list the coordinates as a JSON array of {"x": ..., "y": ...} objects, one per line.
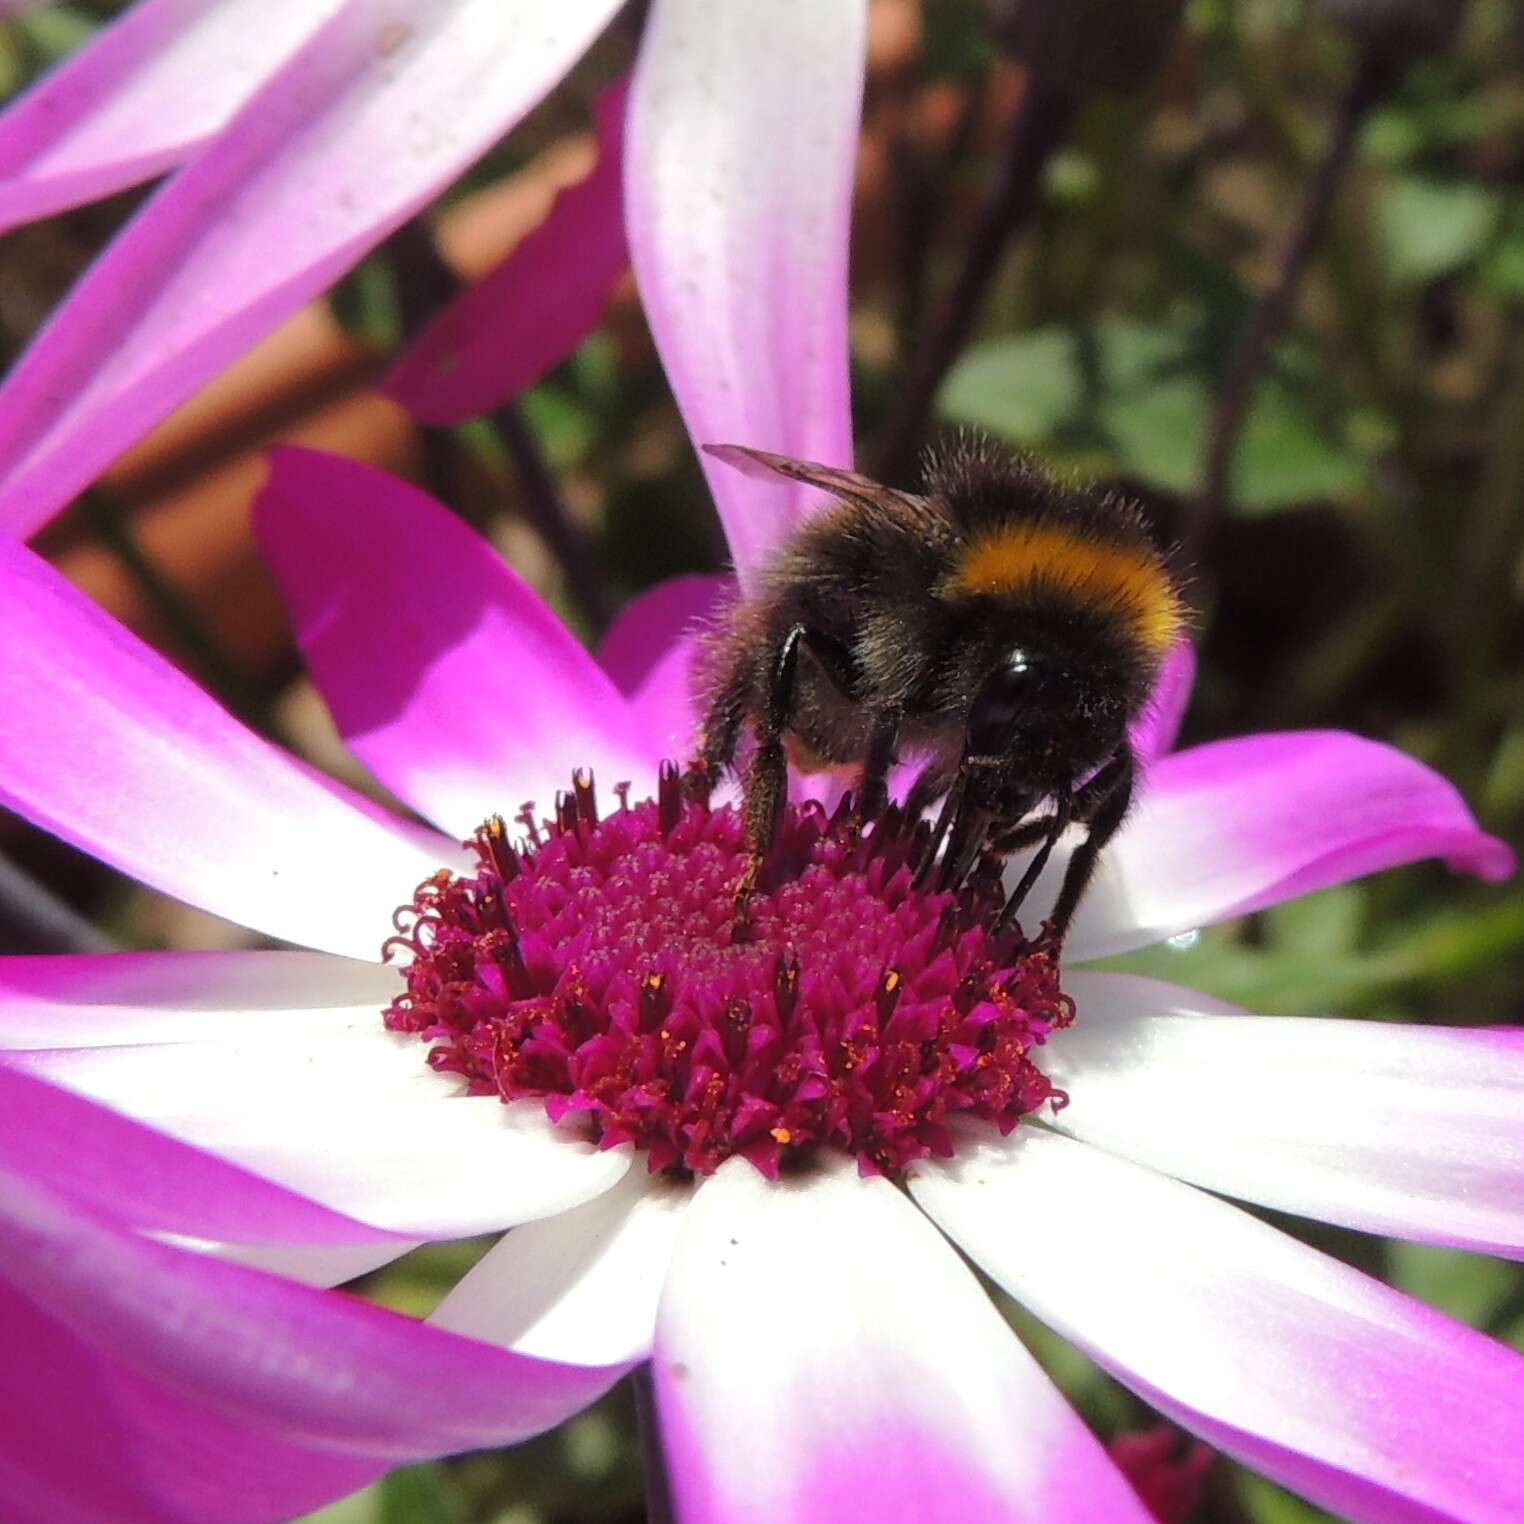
[
  {"x": 350, "y": 1116},
  {"x": 105, "y": 999},
  {"x": 737, "y": 206},
  {"x": 91, "y": 1154},
  {"x": 201, "y": 1368},
  {"x": 1154, "y": 732},
  {"x": 1233, "y": 826},
  {"x": 311, "y": 1264},
  {"x": 383, "y": 106},
  {"x": 1414, "y": 1132},
  {"x": 110, "y": 747},
  {"x": 500, "y": 336},
  {"x": 141, "y": 97},
  {"x": 822, "y": 1354},
  {"x": 649, "y": 652},
  {"x": 445, "y": 673},
  {"x": 153, "y": 1456},
  {"x": 582, "y": 1286},
  {"x": 1361, "y": 1399}
]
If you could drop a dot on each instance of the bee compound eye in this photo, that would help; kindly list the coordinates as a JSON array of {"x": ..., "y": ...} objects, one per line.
[{"x": 1009, "y": 691}]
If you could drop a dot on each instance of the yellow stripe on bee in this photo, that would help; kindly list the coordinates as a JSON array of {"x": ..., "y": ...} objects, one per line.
[{"x": 1129, "y": 580}]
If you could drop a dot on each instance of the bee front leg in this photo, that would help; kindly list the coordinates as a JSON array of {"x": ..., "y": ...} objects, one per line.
[
  {"x": 873, "y": 787},
  {"x": 767, "y": 779},
  {"x": 931, "y": 783},
  {"x": 1102, "y": 804},
  {"x": 1046, "y": 830},
  {"x": 722, "y": 728}
]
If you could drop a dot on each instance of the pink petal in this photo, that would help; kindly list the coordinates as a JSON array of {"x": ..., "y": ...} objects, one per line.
[
  {"x": 1153, "y": 734},
  {"x": 740, "y": 154},
  {"x": 110, "y": 747},
  {"x": 141, "y": 97},
  {"x": 445, "y": 673},
  {"x": 1355, "y": 1396},
  {"x": 649, "y": 652},
  {"x": 384, "y": 106},
  {"x": 581, "y": 1286},
  {"x": 227, "y": 1394},
  {"x": 1233, "y": 826},
  {"x": 821, "y": 1354},
  {"x": 1414, "y": 1132},
  {"x": 500, "y": 336},
  {"x": 152, "y": 1456},
  {"x": 103, "y": 1159}
]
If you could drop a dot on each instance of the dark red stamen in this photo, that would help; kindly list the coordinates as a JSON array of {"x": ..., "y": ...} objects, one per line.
[{"x": 598, "y": 966}]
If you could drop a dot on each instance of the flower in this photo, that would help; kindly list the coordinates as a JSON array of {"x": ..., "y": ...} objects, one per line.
[
  {"x": 818, "y": 1348},
  {"x": 1166, "y": 1473},
  {"x": 313, "y": 128},
  {"x": 329, "y": 1144}
]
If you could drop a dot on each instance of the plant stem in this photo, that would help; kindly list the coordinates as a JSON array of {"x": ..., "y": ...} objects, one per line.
[
  {"x": 1038, "y": 127},
  {"x": 546, "y": 510},
  {"x": 33, "y": 919},
  {"x": 203, "y": 652},
  {"x": 1270, "y": 316},
  {"x": 425, "y": 283}
]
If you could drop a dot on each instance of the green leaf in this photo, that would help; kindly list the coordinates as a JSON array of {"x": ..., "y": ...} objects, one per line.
[
  {"x": 1501, "y": 273},
  {"x": 362, "y": 1507},
  {"x": 1470, "y": 1287},
  {"x": 420, "y": 1495},
  {"x": 1431, "y": 227},
  {"x": 1265, "y": 1503},
  {"x": 1323, "y": 925},
  {"x": 1157, "y": 410},
  {"x": 55, "y": 31},
  {"x": 1141, "y": 394},
  {"x": 1285, "y": 458},
  {"x": 1159, "y": 430},
  {"x": 1023, "y": 388},
  {"x": 565, "y": 427}
]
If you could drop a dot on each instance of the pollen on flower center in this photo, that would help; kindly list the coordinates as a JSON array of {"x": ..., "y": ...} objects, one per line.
[{"x": 598, "y": 965}]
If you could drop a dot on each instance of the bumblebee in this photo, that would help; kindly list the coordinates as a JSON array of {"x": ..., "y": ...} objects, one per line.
[{"x": 1002, "y": 627}]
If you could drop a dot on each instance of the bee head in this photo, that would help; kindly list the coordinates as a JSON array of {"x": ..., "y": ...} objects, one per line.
[
  {"x": 1018, "y": 697},
  {"x": 1044, "y": 712}
]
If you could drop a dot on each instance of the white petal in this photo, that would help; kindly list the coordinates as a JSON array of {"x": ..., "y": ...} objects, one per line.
[
  {"x": 95, "y": 1000},
  {"x": 311, "y": 1264},
  {"x": 1416, "y": 1132},
  {"x": 1347, "y": 1391},
  {"x": 581, "y": 1287},
  {"x": 822, "y": 1354},
  {"x": 354, "y": 1119}
]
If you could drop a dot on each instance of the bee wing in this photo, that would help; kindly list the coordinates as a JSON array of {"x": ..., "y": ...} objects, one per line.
[{"x": 847, "y": 485}]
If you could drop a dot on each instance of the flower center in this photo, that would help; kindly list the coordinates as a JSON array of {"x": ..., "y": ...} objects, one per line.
[{"x": 600, "y": 965}]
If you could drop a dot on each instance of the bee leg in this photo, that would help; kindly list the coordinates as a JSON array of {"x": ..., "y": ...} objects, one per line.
[
  {"x": 932, "y": 782},
  {"x": 873, "y": 787},
  {"x": 767, "y": 780},
  {"x": 722, "y": 729},
  {"x": 1047, "y": 830},
  {"x": 970, "y": 829},
  {"x": 945, "y": 816},
  {"x": 1103, "y": 806}
]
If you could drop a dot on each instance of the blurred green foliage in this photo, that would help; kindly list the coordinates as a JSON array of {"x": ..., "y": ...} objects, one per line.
[{"x": 1368, "y": 573}]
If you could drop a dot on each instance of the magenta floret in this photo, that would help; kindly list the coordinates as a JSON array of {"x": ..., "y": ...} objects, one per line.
[{"x": 599, "y": 966}]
